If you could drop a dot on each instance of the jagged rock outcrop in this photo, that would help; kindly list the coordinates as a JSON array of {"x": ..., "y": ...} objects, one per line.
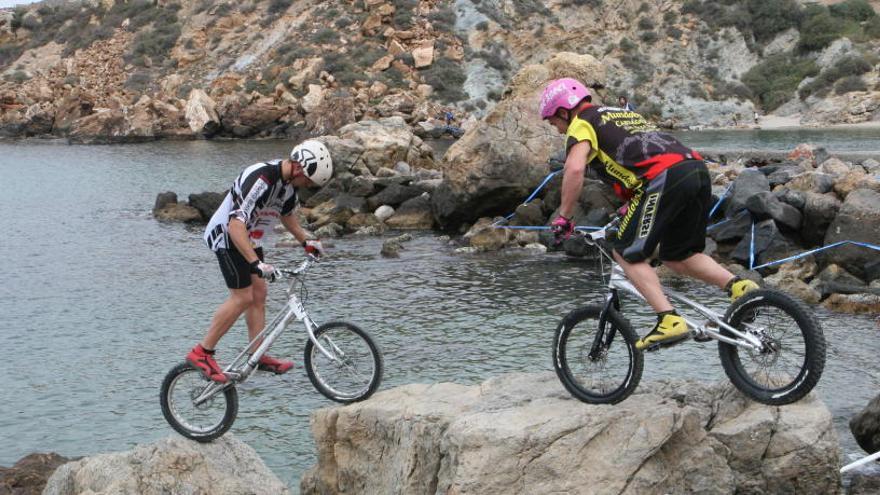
[
  {"x": 171, "y": 465},
  {"x": 522, "y": 433},
  {"x": 29, "y": 475},
  {"x": 858, "y": 220},
  {"x": 497, "y": 163}
]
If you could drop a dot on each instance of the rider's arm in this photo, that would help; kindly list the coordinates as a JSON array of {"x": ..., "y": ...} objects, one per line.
[
  {"x": 239, "y": 234},
  {"x": 291, "y": 223},
  {"x": 573, "y": 178}
]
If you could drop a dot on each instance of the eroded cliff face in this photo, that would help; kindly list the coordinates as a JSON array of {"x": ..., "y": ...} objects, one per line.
[{"x": 287, "y": 67}]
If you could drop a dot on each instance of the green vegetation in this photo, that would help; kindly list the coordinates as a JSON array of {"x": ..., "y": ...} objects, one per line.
[
  {"x": 19, "y": 76},
  {"x": 155, "y": 42},
  {"x": 847, "y": 67},
  {"x": 277, "y": 7},
  {"x": 447, "y": 77},
  {"x": 857, "y": 10},
  {"x": 138, "y": 81},
  {"x": 290, "y": 51},
  {"x": 443, "y": 19},
  {"x": 646, "y": 24},
  {"x": 648, "y": 36},
  {"x": 850, "y": 83},
  {"x": 627, "y": 45},
  {"x": 774, "y": 81},
  {"x": 819, "y": 30},
  {"x": 403, "y": 13},
  {"x": 324, "y": 36}
]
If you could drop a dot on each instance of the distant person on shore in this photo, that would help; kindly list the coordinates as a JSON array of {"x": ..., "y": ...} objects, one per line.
[
  {"x": 623, "y": 103},
  {"x": 666, "y": 187},
  {"x": 261, "y": 194},
  {"x": 756, "y": 117}
]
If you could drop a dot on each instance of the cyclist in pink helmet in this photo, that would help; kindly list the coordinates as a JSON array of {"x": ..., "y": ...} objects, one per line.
[{"x": 643, "y": 165}]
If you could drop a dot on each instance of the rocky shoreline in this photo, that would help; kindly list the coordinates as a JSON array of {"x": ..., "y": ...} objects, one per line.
[
  {"x": 515, "y": 433},
  {"x": 386, "y": 177}
]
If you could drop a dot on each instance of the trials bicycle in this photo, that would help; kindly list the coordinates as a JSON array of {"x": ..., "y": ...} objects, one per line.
[
  {"x": 341, "y": 360},
  {"x": 771, "y": 346}
]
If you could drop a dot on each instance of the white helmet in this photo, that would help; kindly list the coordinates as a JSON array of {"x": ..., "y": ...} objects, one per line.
[{"x": 315, "y": 160}]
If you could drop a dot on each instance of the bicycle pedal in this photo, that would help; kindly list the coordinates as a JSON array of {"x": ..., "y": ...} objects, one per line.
[
  {"x": 663, "y": 345},
  {"x": 701, "y": 337}
]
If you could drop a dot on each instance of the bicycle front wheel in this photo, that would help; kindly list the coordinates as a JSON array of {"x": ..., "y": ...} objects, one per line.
[
  {"x": 349, "y": 368},
  {"x": 598, "y": 369},
  {"x": 203, "y": 422},
  {"x": 792, "y": 358}
]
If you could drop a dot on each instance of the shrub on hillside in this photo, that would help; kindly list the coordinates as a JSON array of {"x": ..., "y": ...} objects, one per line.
[
  {"x": 819, "y": 29},
  {"x": 648, "y": 36},
  {"x": 277, "y": 7},
  {"x": 138, "y": 81},
  {"x": 857, "y": 10},
  {"x": 850, "y": 83},
  {"x": 673, "y": 32},
  {"x": 627, "y": 45},
  {"x": 853, "y": 65},
  {"x": 774, "y": 81},
  {"x": 646, "y": 24},
  {"x": 447, "y": 78},
  {"x": 325, "y": 35},
  {"x": 403, "y": 13},
  {"x": 18, "y": 76},
  {"x": 156, "y": 42},
  {"x": 443, "y": 19},
  {"x": 872, "y": 27}
]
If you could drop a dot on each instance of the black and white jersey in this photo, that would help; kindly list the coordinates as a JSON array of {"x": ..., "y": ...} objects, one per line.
[{"x": 258, "y": 197}]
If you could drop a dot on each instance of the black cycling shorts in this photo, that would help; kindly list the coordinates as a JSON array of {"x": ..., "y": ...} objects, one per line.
[
  {"x": 672, "y": 212},
  {"x": 236, "y": 270}
]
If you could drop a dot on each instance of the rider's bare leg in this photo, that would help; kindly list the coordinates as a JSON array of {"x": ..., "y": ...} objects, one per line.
[
  {"x": 645, "y": 279},
  {"x": 702, "y": 267},
  {"x": 225, "y": 316},
  {"x": 255, "y": 316}
]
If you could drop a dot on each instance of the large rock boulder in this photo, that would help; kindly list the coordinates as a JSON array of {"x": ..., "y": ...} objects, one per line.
[
  {"x": 413, "y": 214},
  {"x": 495, "y": 165},
  {"x": 749, "y": 183},
  {"x": 201, "y": 113},
  {"x": 819, "y": 211},
  {"x": 171, "y": 465},
  {"x": 206, "y": 202},
  {"x": 522, "y": 433},
  {"x": 380, "y": 143},
  {"x": 29, "y": 475},
  {"x": 865, "y": 426},
  {"x": 858, "y": 220}
]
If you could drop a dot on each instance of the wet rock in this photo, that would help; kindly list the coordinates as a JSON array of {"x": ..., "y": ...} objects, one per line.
[
  {"x": 819, "y": 211},
  {"x": 103, "y": 126},
  {"x": 834, "y": 167},
  {"x": 329, "y": 230},
  {"x": 522, "y": 433},
  {"x": 402, "y": 168},
  {"x": 413, "y": 214},
  {"x": 535, "y": 247},
  {"x": 858, "y": 220},
  {"x": 206, "y": 202},
  {"x": 387, "y": 140},
  {"x": 862, "y": 483},
  {"x": 865, "y": 426},
  {"x": 361, "y": 187},
  {"x": 485, "y": 237},
  {"x": 360, "y": 220},
  {"x": 525, "y": 237},
  {"x": 871, "y": 166},
  {"x": 833, "y": 279},
  {"x": 530, "y": 214},
  {"x": 853, "y": 303},
  {"x": 749, "y": 183},
  {"x": 577, "y": 246},
  {"x": 855, "y": 179},
  {"x": 428, "y": 185},
  {"x": 201, "y": 114},
  {"x": 783, "y": 175},
  {"x": 171, "y": 465},
  {"x": 386, "y": 172},
  {"x": 493, "y": 167},
  {"x": 795, "y": 286},
  {"x": 163, "y": 199},
  {"x": 393, "y": 195},
  {"x": 765, "y": 205},
  {"x": 391, "y": 248},
  {"x": 384, "y": 212},
  {"x": 29, "y": 475},
  {"x": 178, "y": 212}
]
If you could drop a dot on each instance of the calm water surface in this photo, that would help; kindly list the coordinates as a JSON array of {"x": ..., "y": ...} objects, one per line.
[{"x": 101, "y": 300}]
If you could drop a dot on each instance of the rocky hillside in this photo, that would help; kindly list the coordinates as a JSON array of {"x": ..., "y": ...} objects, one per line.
[{"x": 285, "y": 67}]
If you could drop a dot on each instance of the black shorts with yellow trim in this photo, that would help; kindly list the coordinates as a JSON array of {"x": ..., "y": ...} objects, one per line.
[{"x": 671, "y": 213}]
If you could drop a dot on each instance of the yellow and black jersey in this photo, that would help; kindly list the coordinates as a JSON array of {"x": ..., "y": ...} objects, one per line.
[{"x": 625, "y": 149}]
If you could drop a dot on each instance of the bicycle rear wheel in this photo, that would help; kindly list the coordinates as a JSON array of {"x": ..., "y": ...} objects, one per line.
[
  {"x": 793, "y": 357},
  {"x": 203, "y": 422},
  {"x": 598, "y": 374},
  {"x": 352, "y": 369}
]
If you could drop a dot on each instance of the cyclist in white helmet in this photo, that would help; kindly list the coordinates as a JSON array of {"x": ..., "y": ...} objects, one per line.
[{"x": 262, "y": 193}]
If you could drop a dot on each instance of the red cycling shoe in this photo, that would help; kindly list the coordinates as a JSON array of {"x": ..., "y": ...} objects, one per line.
[
  {"x": 204, "y": 361},
  {"x": 272, "y": 365}
]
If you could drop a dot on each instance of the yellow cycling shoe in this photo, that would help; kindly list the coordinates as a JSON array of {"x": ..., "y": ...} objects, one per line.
[
  {"x": 670, "y": 328},
  {"x": 738, "y": 287}
]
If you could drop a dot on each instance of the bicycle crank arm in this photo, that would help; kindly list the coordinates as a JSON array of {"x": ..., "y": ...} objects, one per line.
[
  {"x": 209, "y": 392},
  {"x": 744, "y": 340}
]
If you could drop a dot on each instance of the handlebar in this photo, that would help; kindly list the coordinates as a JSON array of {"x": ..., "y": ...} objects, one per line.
[{"x": 299, "y": 270}]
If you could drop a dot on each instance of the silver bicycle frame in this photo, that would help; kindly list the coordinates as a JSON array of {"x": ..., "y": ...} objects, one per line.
[
  {"x": 619, "y": 281},
  {"x": 240, "y": 369}
]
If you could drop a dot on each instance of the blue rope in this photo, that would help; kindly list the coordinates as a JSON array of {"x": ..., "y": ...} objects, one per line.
[
  {"x": 531, "y": 196},
  {"x": 712, "y": 211},
  {"x": 816, "y": 250},
  {"x": 752, "y": 248},
  {"x": 544, "y": 227},
  {"x": 740, "y": 212}
]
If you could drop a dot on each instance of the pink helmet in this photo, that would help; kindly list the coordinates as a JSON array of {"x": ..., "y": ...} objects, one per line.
[{"x": 562, "y": 93}]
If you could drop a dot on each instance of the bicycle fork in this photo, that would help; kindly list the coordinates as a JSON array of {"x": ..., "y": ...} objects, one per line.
[{"x": 603, "y": 338}]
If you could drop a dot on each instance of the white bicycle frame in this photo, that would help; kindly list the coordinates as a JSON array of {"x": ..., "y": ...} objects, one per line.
[
  {"x": 618, "y": 281},
  {"x": 240, "y": 368}
]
